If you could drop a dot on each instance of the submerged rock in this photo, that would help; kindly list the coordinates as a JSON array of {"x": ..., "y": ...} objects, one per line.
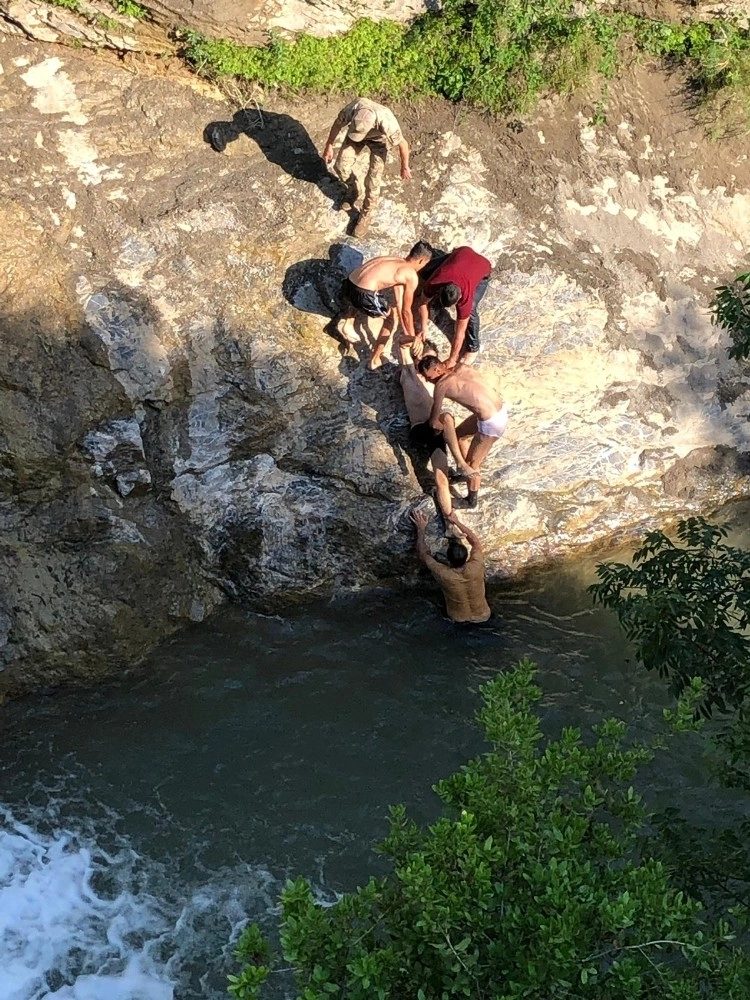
[{"x": 176, "y": 426}]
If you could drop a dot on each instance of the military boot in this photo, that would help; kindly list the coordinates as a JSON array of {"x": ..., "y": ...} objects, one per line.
[{"x": 363, "y": 223}]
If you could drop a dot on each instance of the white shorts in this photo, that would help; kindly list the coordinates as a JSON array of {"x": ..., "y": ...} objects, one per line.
[{"x": 495, "y": 426}]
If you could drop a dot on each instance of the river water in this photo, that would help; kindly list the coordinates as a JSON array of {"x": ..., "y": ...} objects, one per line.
[{"x": 142, "y": 823}]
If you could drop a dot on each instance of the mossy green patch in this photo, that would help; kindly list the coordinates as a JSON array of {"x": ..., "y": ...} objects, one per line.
[
  {"x": 67, "y": 4},
  {"x": 500, "y": 56},
  {"x": 129, "y": 9}
]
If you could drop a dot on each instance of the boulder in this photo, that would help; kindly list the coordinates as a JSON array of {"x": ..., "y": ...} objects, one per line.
[{"x": 177, "y": 426}]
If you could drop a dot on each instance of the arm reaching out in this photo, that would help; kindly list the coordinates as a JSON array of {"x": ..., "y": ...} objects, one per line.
[
  {"x": 420, "y": 523},
  {"x": 332, "y": 136},
  {"x": 459, "y": 336},
  {"x": 422, "y": 309},
  {"x": 471, "y": 538},
  {"x": 436, "y": 420},
  {"x": 405, "y": 303},
  {"x": 403, "y": 152}
]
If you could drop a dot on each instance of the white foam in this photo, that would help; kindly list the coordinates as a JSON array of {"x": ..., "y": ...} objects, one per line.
[
  {"x": 63, "y": 935},
  {"x": 82, "y": 922}
]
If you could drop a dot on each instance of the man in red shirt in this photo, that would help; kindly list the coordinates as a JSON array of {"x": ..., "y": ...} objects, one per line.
[{"x": 459, "y": 278}]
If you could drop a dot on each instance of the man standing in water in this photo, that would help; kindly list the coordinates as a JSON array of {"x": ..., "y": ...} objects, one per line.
[
  {"x": 462, "y": 579},
  {"x": 474, "y": 436},
  {"x": 362, "y": 292},
  {"x": 459, "y": 278},
  {"x": 374, "y": 128}
]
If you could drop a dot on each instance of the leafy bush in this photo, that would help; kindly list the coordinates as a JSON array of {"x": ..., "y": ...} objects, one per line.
[
  {"x": 532, "y": 884},
  {"x": 67, "y": 4},
  {"x": 497, "y": 55},
  {"x": 731, "y": 310},
  {"x": 687, "y": 609},
  {"x": 129, "y": 8}
]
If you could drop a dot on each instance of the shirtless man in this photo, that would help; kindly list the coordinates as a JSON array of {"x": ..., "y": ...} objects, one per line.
[
  {"x": 362, "y": 293},
  {"x": 489, "y": 415},
  {"x": 423, "y": 437},
  {"x": 462, "y": 580}
]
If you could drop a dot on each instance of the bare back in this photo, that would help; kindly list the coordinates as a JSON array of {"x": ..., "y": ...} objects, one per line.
[
  {"x": 384, "y": 272},
  {"x": 463, "y": 589},
  {"x": 476, "y": 390}
]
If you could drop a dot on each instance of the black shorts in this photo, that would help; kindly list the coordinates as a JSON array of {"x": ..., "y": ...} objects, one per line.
[
  {"x": 370, "y": 303},
  {"x": 426, "y": 438}
]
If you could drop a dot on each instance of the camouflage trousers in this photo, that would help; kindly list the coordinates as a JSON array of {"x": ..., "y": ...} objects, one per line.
[{"x": 344, "y": 168}]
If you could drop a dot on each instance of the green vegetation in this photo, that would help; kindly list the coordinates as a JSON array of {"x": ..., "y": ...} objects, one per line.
[
  {"x": 534, "y": 883},
  {"x": 67, "y": 4},
  {"x": 129, "y": 9},
  {"x": 125, "y": 7},
  {"x": 731, "y": 310},
  {"x": 686, "y": 608},
  {"x": 108, "y": 23},
  {"x": 496, "y": 55}
]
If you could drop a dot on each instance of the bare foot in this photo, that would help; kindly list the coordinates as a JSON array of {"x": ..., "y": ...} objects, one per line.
[
  {"x": 347, "y": 332},
  {"x": 374, "y": 363}
]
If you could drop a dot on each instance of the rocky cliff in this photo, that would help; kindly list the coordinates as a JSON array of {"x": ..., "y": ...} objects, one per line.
[
  {"x": 253, "y": 22},
  {"x": 175, "y": 424}
]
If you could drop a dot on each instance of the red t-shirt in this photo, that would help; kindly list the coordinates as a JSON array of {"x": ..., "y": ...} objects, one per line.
[{"x": 463, "y": 267}]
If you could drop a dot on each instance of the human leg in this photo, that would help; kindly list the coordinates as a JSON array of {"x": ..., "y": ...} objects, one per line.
[
  {"x": 479, "y": 449},
  {"x": 471, "y": 343},
  {"x": 381, "y": 343},
  {"x": 373, "y": 180},
  {"x": 439, "y": 462},
  {"x": 343, "y": 167},
  {"x": 374, "y": 176},
  {"x": 452, "y": 439}
]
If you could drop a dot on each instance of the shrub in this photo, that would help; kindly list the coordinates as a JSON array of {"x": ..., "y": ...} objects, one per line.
[
  {"x": 731, "y": 311},
  {"x": 532, "y": 884}
]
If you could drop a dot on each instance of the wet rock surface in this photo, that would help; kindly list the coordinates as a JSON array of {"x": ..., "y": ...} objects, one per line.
[{"x": 177, "y": 427}]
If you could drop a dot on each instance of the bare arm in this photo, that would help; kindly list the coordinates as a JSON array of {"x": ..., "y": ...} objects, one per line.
[
  {"x": 420, "y": 522},
  {"x": 459, "y": 336},
  {"x": 471, "y": 538},
  {"x": 436, "y": 421},
  {"x": 422, "y": 309},
  {"x": 404, "y": 152},
  {"x": 405, "y": 303},
  {"x": 332, "y": 136}
]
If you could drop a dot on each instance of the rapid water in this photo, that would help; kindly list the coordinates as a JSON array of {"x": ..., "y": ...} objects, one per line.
[{"x": 143, "y": 823}]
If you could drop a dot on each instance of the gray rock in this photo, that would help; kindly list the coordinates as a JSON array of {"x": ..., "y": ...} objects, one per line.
[
  {"x": 176, "y": 425},
  {"x": 117, "y": 453}
]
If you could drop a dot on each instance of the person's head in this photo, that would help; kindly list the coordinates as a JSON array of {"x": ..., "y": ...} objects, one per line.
[
  {"x": 420, "y": 254},
  {"x": 361, "y": 125},
  {"x": 457, "y": 553},
  {"x": 431, "y": 367},
  {"x": 449, "y": 294}
]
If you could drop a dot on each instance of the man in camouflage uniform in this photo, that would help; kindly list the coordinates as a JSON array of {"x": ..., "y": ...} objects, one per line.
[{"x": 373, "y": 128}]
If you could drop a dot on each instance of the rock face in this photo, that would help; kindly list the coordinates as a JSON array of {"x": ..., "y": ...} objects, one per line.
[
  {"x": 175, "y": 425},
  {"x": 253, "y": 22},
  {"x": 249, "y": 21}
]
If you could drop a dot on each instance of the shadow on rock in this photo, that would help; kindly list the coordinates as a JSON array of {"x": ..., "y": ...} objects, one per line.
[
  {"x": 283, "y": 141},
  {"x": 314, "y": 285}
]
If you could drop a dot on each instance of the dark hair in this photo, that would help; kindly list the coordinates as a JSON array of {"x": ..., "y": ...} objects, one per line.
[
  {"x": 449, "y": 294},
  {"x": 420, "y": 249},
  {"x": 426, "y": 364},
  {"x": 457, "y": 553}
]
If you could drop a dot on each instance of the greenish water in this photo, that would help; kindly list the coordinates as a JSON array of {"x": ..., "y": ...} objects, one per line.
[{"x": 144, "y": 821}]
